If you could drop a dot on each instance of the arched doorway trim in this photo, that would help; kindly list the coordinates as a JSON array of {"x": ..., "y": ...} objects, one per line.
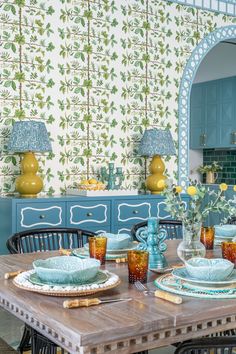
[{"x": 210, "y": 41}]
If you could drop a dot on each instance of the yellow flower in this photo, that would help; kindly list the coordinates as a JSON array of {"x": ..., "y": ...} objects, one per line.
[
  {"x": 234, "y": 188},
  {"x": 223, "y": 187},
  {"x": 178, "y": 189},
  {"x": 191, "y": 190}
]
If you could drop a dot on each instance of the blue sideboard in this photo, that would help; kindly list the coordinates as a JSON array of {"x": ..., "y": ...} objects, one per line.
[{"x": 99, "y": 214}]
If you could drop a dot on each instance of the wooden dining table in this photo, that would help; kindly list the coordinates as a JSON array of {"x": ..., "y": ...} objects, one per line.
[{"x": 143, "y": 323}]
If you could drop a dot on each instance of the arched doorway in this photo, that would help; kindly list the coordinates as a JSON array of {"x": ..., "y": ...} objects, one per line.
[{"x": 220, "y": 34}]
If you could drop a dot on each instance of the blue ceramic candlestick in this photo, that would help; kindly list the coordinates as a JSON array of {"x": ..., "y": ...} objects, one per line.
[
  {"x": 111, "y": 176},
  {"x": 153, "y": 242}
]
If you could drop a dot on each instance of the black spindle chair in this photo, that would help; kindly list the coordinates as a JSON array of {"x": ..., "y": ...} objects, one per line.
[
  {"x": 42, "y": 240},
  {"x": 222, "y": 345}
]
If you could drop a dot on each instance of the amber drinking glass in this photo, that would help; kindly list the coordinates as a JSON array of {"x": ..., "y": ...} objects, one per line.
[
  {"x": 229, "y": 251},
  {"x": 207, "y": 237},
  {"x": 98, "y": 248},
  {"x": 138, "y": 266}
]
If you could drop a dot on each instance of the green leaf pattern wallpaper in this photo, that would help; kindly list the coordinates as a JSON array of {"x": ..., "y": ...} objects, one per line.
[{"x": 98, "y": 73}]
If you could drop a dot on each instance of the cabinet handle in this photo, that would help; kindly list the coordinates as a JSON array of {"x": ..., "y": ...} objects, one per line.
[
  {"x": 233, "y": 138},
  {"x": 41, "y": 216},
  {"x": 89, "y": 214},
  {"x": 135, "y": 212},
  {"x": 204, "y": 139}
]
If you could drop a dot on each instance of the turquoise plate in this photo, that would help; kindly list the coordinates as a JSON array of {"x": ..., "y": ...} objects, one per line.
[
  {"x": 100, "y": 278},
  {"x": 182, "y": 274},
  {"x": 83, "y": 253},
  {"x": 132, "y": 246}
]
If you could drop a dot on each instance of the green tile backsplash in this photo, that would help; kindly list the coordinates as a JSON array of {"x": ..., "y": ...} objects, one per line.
[{"x": 225, "y": 158}]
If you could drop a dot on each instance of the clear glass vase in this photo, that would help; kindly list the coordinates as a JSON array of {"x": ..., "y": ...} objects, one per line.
[{"x": 191, "y": 246}]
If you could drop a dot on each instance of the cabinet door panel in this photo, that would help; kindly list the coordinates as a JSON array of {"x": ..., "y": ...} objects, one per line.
[
  {"x": 211, "y": 114},
  {"x": 227, "y": 123},
  {"x": 197, "y": 116},
  {"x": 161, "y": 213},
  {"x": 88, "y": 214},
  {"x": 39, "y": 215},
  {"x": 132, "y": 211}
]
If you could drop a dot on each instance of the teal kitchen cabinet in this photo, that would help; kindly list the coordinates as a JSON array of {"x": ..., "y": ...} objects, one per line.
[
  {"x": 227, "y": 119},
  {"x": 213, "y": 114},
  {"x": 98, "y": 214},
  {"x": 197, "y": 130}
]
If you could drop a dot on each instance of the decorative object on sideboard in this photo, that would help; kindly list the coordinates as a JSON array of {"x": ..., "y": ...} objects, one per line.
[
  {"x": 111, "y": 177},
  {"x": 152, "y": 241},
  {"x": 210, "y": 171},
  {"x": 28, "y": 137},
  {"x": 156, "y": 143}
]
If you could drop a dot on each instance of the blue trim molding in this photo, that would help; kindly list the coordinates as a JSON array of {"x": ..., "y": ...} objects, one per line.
[
  {"x": 210, "y": 41},
  {"x": 222, "y": 6}
]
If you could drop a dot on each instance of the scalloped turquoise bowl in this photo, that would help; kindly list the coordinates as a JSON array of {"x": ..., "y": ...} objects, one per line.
[
  {"x": 117, "y": 241},
  {"x": 64, "y": 269},
  {"x": 227, "y": 230},
  {"x": 215, "y": 269}
]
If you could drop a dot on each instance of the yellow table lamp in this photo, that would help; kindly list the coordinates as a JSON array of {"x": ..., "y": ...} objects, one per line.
[
  {"x": 156, "y": 143},
  {"x": 28, "y": 137}
]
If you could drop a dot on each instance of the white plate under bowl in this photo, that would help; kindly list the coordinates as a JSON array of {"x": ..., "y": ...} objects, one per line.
[
  {"x": 132, "y": 246},
  {"x": 182, "y": 274},
  {"x": 224, "y": 237}
]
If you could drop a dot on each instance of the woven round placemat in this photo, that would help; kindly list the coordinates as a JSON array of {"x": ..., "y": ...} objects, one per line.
[
  {"x": 22, "y": 281},
  {"x": 171, "y": 284}
]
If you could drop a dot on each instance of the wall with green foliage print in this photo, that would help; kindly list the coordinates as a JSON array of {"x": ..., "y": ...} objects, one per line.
[{"x": 98, "y": 73}]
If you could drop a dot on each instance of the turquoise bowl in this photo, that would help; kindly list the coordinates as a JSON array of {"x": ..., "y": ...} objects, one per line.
[
  {"x": 225, "y": 230},
  {"x": 117, "y": 241},
  {"x": 215, "y": 269},
  {"x": 65, "y": 269}
]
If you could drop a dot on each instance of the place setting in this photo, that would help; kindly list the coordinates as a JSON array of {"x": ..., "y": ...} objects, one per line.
[
  {"x": 116, "y": 248},
  {"x": 66, "y": 276},
  {"x": 69, "y": 275}
]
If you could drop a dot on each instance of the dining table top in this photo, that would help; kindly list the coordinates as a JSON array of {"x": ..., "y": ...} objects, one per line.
[{"x": 143, "y": 323}]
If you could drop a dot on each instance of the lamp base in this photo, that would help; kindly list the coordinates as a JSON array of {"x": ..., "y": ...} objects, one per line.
[
  {"x": 29, "y": 184},
  {"x": 156, "y": 181}
]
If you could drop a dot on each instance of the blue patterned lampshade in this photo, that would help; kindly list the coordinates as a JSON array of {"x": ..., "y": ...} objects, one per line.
[
  {"x": 156, "y": 142},
  {"x": 29, "y": 136}
]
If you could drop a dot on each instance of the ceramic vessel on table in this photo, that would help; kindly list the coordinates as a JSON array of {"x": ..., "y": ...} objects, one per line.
[
  {"x": 227, "y": 230},
  {"x": 98, "y": 248},
  {"x": 215, "y": 269},
  {"x": 64, "y": 269},
  {"x": 207, "y": 237},
  {"x": 229, "y": 251},
  {"x": 117, "y": 241}
]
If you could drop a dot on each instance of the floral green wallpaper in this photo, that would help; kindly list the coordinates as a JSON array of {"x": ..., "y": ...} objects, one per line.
[{"x": 97, "y": 72}]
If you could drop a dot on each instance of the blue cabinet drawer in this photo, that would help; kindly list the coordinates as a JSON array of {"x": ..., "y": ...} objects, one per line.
[
  {"x": 88, "y": 214},
  {"x": 37, "y": 215},
  {"x": 159, "y": 209},
  {"x": 131, "y": 212}
]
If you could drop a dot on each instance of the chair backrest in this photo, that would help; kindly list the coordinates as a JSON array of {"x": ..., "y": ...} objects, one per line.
[
  {"x": 172, "y": 227},
  {"x": 51, "y": 239},
  {"x": 232, "y": 220}
]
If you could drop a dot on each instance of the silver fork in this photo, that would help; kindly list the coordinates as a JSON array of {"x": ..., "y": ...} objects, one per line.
[{"x": 140, "y": 287}]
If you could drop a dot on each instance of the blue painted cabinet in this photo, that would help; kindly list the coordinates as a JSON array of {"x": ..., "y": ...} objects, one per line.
[
  {"x": 197, "y": 130},
  {"x": 213, "y": 114},
  {"x": 98, "y": 214}
]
